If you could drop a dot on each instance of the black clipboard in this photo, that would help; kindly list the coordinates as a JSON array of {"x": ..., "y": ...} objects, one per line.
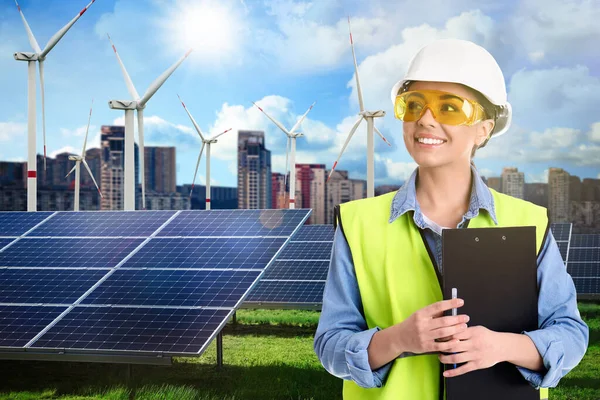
[{"x": 495, "y": 272}]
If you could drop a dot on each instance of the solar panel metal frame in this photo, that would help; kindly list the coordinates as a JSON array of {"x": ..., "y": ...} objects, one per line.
[
  {"x": 140, "y": 357},
  {"x": 576, "y": 265}
]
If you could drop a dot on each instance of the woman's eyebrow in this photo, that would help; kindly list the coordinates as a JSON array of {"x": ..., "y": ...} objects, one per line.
[{"x": 449, "y": 96}]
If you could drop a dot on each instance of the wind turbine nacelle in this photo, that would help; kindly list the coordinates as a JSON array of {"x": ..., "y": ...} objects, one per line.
[
  {"x": 73, "y": 158},
  {"x": 122, "y": 104},
  {"x": 26, "y": 56},
  {"x": 374, "y": 114}
]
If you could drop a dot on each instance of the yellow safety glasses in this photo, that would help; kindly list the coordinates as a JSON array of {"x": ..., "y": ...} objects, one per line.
[{"x": 447, "y": 108}]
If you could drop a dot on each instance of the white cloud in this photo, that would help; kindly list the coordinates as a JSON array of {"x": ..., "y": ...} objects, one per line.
[
  {"x": 66, "y": 149},
  {"x": 10, "y": 131},
  {"x": 594, "y": 134},
  {"x": 396, "y": 169},
  {"x": 536, "y": 56},
  {"x": 537, "y": 178},
  {"x": 160, "y": 132},
  {"x": 77, "y": 132},
  {"x": 555, "y": 138}
]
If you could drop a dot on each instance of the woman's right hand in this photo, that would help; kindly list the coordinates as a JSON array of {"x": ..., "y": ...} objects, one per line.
[{"x": 420, "y": 332}]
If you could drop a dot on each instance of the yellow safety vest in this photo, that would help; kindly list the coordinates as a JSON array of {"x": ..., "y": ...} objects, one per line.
[{"x": 396, "y": 277}]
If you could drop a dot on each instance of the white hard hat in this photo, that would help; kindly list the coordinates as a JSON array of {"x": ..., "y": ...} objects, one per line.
[{"x": 464, "y": 62}]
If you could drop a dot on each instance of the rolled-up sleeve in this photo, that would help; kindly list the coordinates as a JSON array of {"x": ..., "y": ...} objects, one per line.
[
  {"x": 562, "y": 338},
  {"x": 342, "y": 336}
]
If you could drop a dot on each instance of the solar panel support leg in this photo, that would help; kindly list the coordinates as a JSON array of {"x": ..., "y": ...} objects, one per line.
[
  {"x": 220, "y": 350},
  {"x": 235, "y": 317}
]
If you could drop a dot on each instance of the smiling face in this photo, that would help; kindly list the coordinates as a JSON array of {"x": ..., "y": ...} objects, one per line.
[{"x": 457, "y": 142}]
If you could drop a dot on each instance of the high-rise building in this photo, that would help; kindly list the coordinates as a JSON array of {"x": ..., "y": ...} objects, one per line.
[
  {"x": 167, "y": 201},
  {"x": 254, "y": 171},
  {"x": 13, "y": 174},
  {"x": 160, "y": 169},
  {"x": 558, "y": 195},
  {"x": 113, "y": 166},
  {"x": 383, "y": 189},
  {"x": 340, "y": 190},
  {"x": 574, "y": 188},
  {"x": 310, "y": 190},
  {"x": 495, "y": 183},
  {"x": 279, "y": 194},
  {"x": 222, "y": 197},
  {"x": 513, "y": 182},
  {"x": 590, "y": 189},
  {"x": 537, "y": 193},
  {"x": 93, "y": 157}
]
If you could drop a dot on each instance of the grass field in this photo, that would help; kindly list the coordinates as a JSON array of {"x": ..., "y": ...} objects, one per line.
[{"x": 267, "y": 355}]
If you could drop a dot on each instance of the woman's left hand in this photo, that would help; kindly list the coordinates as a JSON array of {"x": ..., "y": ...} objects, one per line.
[{"x": 479, "y": 348}]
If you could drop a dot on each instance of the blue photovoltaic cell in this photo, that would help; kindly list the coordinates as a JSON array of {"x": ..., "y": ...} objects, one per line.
[
  {"x": 314, "y": 233},
  {"x": 20, "y": 324},
  {"x": 306, "y": 251},
  {"x": 250, "y": 253},
  {"x": 151, "y": 287},
  {"x": 584, "y": 270},
  {"x": 165, "y": 330},
  {"x": 589, "y": 240},
  {"x": 17, "y": 223},
  {"x": 103, "y": 223},
  {"x": 281, "y": 222},
  {"x": 584, "y": 255},
  {"x": 587, "y": 285},
  {"x": 67, "y": 253},
  {"x": 53, "y": 286},
  {"x": 4, "y": 242},
  {"x": 563, "y": 247},
  {"x": 303, "y": 270},
  {"x": 287, "y": 292},
  {"x": 560, "y": 231}
]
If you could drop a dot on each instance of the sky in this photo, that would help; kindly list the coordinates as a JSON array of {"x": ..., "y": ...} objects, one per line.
[{"x": 284, "y": 55}]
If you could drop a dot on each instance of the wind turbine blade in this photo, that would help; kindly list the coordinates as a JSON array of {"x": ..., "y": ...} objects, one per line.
[
  {"x": 34, "y": 44},
  {"x": 158, "y": 82},
  {"x": 132, "y": 92},
  {"x": 41, "y": 64},
  {"x": 197, "y": 165},
  {"x": 287, "y": 167},
  {"x": 379, "y": 133},
  {"x": 302, "y": 119},
  {"x": 58, "y": 35},
  {"x": 222, "y": 133},
  {"x": 87, "y": 130},
  {"x": 273, "y": 120},
  {"x": 72, "y": 169},
  {"x": 358, "y": 89},
  {"x": 92, "y": 175},
  {"x": 345, "y": 145},
  {"x": 192, "y": 118}
]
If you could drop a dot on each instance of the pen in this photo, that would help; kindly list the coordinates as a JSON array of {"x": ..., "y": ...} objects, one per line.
[{"x": 454, "y": 310}]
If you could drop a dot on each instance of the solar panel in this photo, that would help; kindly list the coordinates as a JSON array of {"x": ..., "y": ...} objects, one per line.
[
  {"x": 588, "y": 240},
  {"x": 563, "y": 247},
  {"x": 5, "y": 241},
  {"x": 281, "y": 222},
  {"x": 584, "y": 255},
  {"x": 561, "y": 231},
  {"x": 250, "y": 253},
  {"x": 20, "y": 324},
  {"x": 103, "y": 223},
  {"x": 287, "y": 292},
  {"x": 62, "y": 286},
  {"x": 306, "y": 251},
  {"x": 587, "y": 285},
  {"x": 165, "y": 330},
  {"x": 151, "y": 287},
  {"x": 18, "y": 223},
  {"x": 314, "y": 233},
  {"x": 298, "y": 270},
  {"x": 67, "y": 253},
  {"x": 583, "y": 269}
]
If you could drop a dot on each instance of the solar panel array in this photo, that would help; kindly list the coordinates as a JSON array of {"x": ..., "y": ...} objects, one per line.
[
  {"x": 562, "y": 235},
  {"x": 297, "y": 278},
  {"x": 584, "y": 263},
  {"x": 140, "y": 282}
]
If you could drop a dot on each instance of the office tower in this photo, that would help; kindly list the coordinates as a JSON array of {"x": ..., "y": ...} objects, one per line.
[
  {"x": 537, "y": 193},
  {"x": 112, "y": 140},
  {"x": 13, "y": 174},
  {"x": 93, "y": 157},
  {"x": 558, "y": 195},
  {"x": 340, "y": 189},
  {"x": 160, "y": 169},
  {"x": 279, "y": 193},
  {"x": 222, "y": 197},
  {"x": 310, "y": 190},
  {"x": 254, "y": 171},
  {"x": 513, "y": 182},
  {"x": 495, "y": 183}
]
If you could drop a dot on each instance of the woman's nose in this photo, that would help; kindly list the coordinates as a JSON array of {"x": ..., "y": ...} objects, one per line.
[{"x": 427, "y": 118}]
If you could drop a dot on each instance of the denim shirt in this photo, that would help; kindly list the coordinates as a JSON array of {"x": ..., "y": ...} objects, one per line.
[{"x": 342, "y": 336}]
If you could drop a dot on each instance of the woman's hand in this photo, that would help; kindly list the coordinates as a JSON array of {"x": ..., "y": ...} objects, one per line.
[
  {"x": 420, "y": 332},
  {"x": 478, "y": 347}
]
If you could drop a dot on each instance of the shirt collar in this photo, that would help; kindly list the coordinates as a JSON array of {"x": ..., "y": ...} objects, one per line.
[{"x": 406, "y": 200}]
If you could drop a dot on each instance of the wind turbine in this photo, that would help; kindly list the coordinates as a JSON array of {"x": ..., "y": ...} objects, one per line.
[
  {"x": 137, "y": 103},
  {"x": 368, "y": 116},
  {"x": 291, "y": 139},
  {"x": 207, "y": 143},
  {"x": 39, "y": 55},
  {"x": 81, "y": 159}
]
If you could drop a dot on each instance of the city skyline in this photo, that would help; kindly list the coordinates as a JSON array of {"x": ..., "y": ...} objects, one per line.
[{"x": 295, "y": 69}]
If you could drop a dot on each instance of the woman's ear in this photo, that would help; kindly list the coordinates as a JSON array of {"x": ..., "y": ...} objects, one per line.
[{"x": 484, "y": 131}]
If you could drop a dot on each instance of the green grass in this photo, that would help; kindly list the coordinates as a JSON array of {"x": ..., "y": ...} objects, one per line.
[{"x": 267, "y": 355}]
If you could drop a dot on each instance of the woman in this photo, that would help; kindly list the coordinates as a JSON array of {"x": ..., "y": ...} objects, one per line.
[{"x": 382, "y": 306}]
